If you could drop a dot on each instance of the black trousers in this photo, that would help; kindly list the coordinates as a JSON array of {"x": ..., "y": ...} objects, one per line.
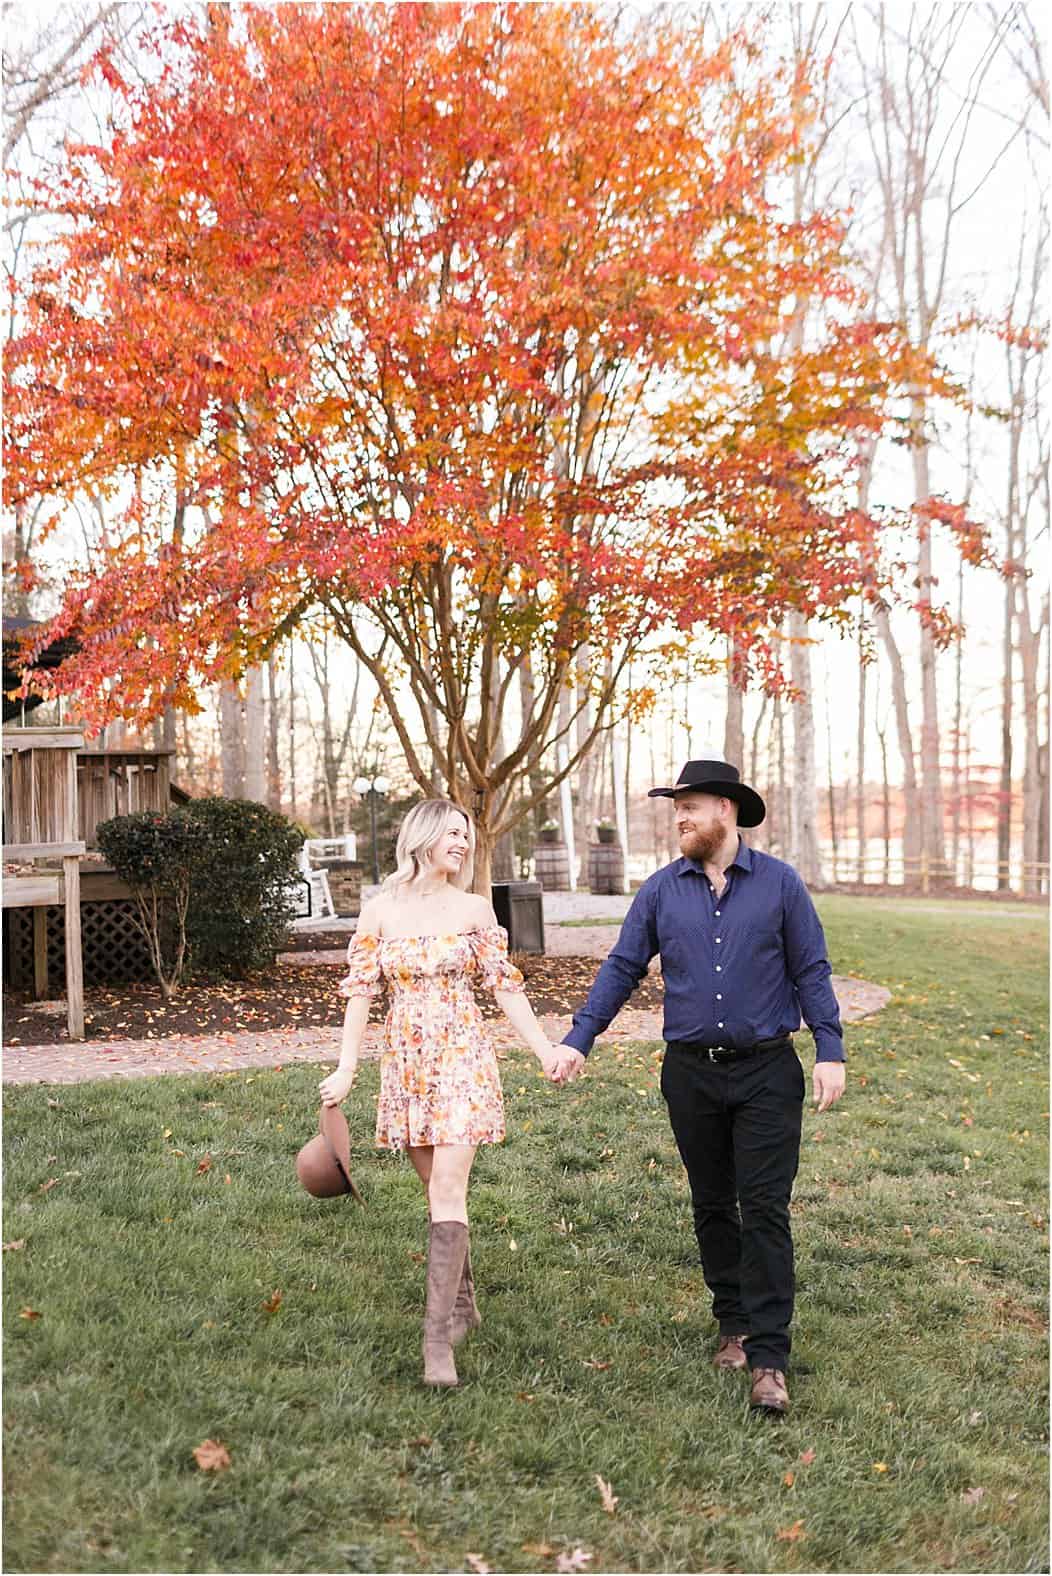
[{"x": 737, "y": 1127}]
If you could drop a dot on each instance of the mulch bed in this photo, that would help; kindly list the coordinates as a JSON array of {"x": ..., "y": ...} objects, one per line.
[{"x": 294, "y": 996}]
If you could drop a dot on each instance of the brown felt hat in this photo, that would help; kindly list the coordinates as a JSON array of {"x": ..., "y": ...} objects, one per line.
[{"x": 323, "y": 1165}]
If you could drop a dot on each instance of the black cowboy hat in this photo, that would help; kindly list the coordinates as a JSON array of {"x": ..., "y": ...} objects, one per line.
[{"x": 717, "y": 777}]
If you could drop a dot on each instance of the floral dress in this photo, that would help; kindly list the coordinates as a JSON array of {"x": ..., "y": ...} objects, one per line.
[{"x": 438, "y": 1073}]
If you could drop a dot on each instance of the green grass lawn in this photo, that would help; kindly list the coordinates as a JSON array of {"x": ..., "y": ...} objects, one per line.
[{"x": 918, "y": 1432}]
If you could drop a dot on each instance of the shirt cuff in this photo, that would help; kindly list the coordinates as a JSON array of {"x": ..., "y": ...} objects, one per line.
[
  {"x": 579, "y": 1040},
  {"x": 829, "y": 1047}
]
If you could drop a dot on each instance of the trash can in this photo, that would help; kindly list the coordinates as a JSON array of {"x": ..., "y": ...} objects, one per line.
[{"x": 519, "y": 907}]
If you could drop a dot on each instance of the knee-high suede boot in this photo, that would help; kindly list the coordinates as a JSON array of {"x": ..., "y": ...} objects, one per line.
[
  {"x": 465, "y": 1315},
  {"x": 447, "y": 1250}
]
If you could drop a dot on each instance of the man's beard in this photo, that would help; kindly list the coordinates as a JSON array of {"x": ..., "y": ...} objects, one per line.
[{"x": 701, "y": 845}]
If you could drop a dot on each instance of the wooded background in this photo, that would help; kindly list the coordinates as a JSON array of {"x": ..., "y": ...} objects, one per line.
[{"x": 676, "y": 386}]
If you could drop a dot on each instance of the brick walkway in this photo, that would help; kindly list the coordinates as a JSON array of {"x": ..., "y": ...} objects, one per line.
[{"x": 63, "y": 1064}]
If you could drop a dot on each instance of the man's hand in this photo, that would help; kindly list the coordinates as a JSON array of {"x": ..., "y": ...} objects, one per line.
[
  {"x": 569, "y": 1065},
  {"x": 829, "y": 1081}
]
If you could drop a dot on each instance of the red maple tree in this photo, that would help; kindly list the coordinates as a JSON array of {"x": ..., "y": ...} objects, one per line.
[{"x": 454, "y": 322}]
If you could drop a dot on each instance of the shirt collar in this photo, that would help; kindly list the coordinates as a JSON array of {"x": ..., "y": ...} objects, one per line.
[{"x": 741, "y": 861}]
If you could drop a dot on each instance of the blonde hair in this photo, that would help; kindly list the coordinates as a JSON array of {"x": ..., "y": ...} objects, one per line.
[{"x": 417, "y": 836}]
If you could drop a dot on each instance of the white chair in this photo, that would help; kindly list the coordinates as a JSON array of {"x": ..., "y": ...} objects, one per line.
[{"x": 318, "y": 897}]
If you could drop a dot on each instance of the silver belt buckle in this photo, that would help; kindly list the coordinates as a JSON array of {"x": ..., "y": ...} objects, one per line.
[{"x": 712, "y": 1051}]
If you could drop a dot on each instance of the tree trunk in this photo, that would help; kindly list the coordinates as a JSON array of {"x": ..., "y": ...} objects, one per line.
[
  {"x": 293, "y": 808},
  {"x": 584, "y": 819},
  {"x": 185, "y": 763},
  {"x": 1029, "y": 654},
  {"x": 833, "y": 829},
  {"x": 482, "y": 881},
  {"x": 502, "y": 863},
  {"x": 860, "y": 752},
  {"x": 255, "y": 736},
  {"x": 1004, "y": 795},
  {"x": 958, "y": 714},
  {"x": 911, "y": 830},
  {"x": 803, "y": 833},
  {"x": 232, "y": 740},
  {"x": 933, "y": 836},
  {"x": 273, "y": 736},
  {"x": 734, "y": 723},
  {"x": 885, "y": 804}
]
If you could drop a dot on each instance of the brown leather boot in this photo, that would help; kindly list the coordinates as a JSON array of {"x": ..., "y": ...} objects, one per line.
[
  {"x": 730, "y": 1353},
  {"x": 446, "y": 1251},
  {"x": 769, "y": 1393},
  {"x": 465, "y": 1315}
]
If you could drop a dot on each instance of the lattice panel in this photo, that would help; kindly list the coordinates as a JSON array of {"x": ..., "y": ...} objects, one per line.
[{"x": 114, "y": 952}]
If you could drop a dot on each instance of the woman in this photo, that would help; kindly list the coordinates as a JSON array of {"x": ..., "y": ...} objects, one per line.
[{"x": 440, "y": 1096}]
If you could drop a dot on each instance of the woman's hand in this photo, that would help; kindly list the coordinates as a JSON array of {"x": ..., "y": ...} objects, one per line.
[
  {"x": 568, "y": 1064},
  {"x": 337, "y": 1086},
  {"x": 559, "y": 1063}
]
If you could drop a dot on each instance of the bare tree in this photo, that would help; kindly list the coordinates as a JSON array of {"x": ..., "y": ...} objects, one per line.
[
  {"x": 1027, "y": 493},
  {"x": 920, "y": 126}
]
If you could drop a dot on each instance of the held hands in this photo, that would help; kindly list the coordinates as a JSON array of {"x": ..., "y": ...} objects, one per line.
[
  {"x": 337, "y": 1086},
  {"x": 562, "y": 1064},
  {"x": 829, "y": 1081}
]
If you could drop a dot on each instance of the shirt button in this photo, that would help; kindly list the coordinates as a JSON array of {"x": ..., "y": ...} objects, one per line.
[
  {"x": 717, "y": 913},
  {"x": 719, "y": 1026},
  {"x": 719, "y": 968},
  {"x": 718, "y": 996},
  {"x": 718, "y": 940}
]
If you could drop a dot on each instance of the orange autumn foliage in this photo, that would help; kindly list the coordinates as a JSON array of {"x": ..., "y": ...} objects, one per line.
[{"x": 461, "y": 324}]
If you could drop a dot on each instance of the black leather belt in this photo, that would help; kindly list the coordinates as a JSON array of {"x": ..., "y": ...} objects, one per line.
[{"x": 731, "y": 1053}]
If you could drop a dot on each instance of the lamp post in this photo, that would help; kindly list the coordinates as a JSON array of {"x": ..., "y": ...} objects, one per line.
[{"x": 373, "y": 790}]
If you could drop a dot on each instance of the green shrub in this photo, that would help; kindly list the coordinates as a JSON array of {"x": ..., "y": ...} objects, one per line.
[
  {"x": 157, "y": 855},
  {"x": 244, "y": 886}
]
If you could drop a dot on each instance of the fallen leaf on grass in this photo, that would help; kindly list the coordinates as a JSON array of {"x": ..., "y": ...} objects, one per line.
[
  {"x": 791, "y": 1534},
  {"x": 525, "y": 1395},
  {"x": 478, "y": 1564},
  {"x": 421, "y": 1442},
  {"x": 972, "y": 1496},
  {"x": 45, "y": 1187},
  {"x": 807, "y": 1456},
  {"x": 211, "y": 1456},
  {"x": 606, "y": 1494},
  {"x": 593, "y": 1362},
  {"x": 789, "y": 1479},
  {"x": 880, "y": 1466},
  {"x": 13, "y": 1247},
  {"x": 578, "y": 1559},
  {"x": 272, "y": 1303},
  {"x": 29, "y": 1313},
  {"x": 543, "y": 1551},
  {"x": 204, "y": 1166}
]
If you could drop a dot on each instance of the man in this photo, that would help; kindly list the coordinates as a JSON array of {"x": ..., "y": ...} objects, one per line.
[{"x": 742, "y": 956}]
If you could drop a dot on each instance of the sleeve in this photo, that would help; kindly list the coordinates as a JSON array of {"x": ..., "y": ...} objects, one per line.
[
  {"x": 810, "y": 971},
  {"x": 619, "y": 975},
  {"x": 496, "y": 969},
  {"x": 363, "y": 967}
]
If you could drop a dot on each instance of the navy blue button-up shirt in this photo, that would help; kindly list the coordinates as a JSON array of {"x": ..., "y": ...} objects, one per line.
[{"x": 741, "y": 967}]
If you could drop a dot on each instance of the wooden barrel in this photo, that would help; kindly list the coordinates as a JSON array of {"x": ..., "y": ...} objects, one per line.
[
  {"x": 552, "y": 866},
  {"x": 606, "y": 868}
]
